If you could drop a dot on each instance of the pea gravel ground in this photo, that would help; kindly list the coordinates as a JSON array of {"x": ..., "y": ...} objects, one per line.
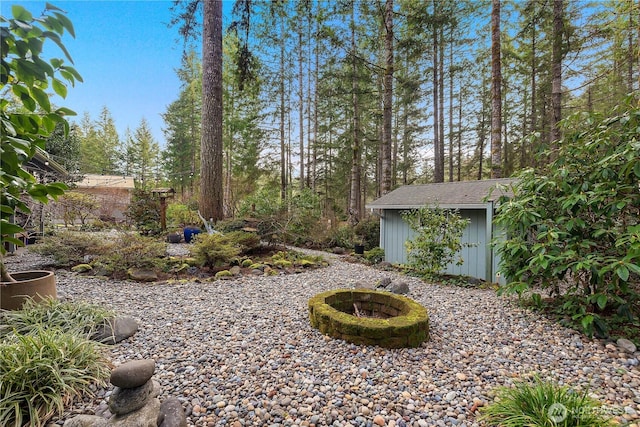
[{"x": 241, "y": 352}]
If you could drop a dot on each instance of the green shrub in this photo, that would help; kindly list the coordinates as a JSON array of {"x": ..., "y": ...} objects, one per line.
[
  {"x": 438, "y": 239},
  {"x": 214, "y": 250},
  {"x": 79, "y": 318},
  {"x": 43, "y": 371},
  {"x": 374, "y": 256},
  {"x": 144, "y": 212},
  {"x": 342, "y": 236},
  {"x": 245, "y": 241},
  {"x": 180, "y": 215},
  {"x": 368, "y": 232},
  {"x": 68, "y": 248},
  {"x": 543, "y": 404},
  {"x": 574, "y": 230},
  {"x": 132, "y": 250}
]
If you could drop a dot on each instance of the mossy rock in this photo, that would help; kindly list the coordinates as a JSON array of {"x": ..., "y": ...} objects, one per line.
[
  {"x": 257, "y": 266},
  {"x": 306, "y": 263},
  {"x": 283, "y": 263},
  {"x": 247, "y": 263},
  {"x": 192, "y": 262},
  {"x": 81, "y": 268},
  {"x": 382, "y": 318},
  {"x": 224, "y": 274}
]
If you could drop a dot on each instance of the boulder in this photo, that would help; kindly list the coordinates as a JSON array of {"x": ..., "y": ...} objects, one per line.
[
  {"x": 126, "y": 400},
  {"x": 398, "y": 288},
  {"x": 86, "y": 421},
  {"x": 114, "y": 330},
  {"x": 142, "y": 275},
  {"x": 133, "y": 374},
  {"x": 626, "y": 345},
  {"x": 147, "y": 416},
  {"x": 171, "y": 414}
]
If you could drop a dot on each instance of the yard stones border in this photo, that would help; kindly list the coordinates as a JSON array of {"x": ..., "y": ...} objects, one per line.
[{"x": 388, "y": 320}]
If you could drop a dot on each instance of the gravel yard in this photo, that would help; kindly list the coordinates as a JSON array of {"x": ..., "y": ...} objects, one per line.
[{"x": 241, "y": 352}]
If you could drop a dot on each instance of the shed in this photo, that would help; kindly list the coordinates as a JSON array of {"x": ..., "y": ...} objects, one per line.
[
  {"x": 112, "y": 192},
  {"x": 474, "y": 200}
]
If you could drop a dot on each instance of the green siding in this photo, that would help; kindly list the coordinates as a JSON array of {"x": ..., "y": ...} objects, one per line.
[{"x": 394, "y": 232}]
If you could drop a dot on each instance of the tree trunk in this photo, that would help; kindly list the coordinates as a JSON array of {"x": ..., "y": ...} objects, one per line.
[
  {"x": 496, "y": 93},
  {"x": 438, "y": 172},
  {"x": 387, "y": 99},
  {"x": 301, "y": 108},
  {"x": 283, "y": 158},
  {"x": 556, "y": 70},
  {"x": 354, "y": 194},
  {"x": 211, "y": 142}
]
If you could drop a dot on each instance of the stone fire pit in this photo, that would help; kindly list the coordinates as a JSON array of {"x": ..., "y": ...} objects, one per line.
[{"x": 368, "y": 317}]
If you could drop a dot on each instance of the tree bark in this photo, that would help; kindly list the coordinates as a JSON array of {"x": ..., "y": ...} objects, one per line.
[
  {"x": 556, "y": 70},
  {"x": 354, "y": 194},
  {"x": 283, "y": 158},
  {"x": 301, "y": 107},
  {"x": 387, "y": 99},
  {"x": 211, "y": 142},
  {"x": 438, "y": 174},
  {"x": 496, "y": 93}
]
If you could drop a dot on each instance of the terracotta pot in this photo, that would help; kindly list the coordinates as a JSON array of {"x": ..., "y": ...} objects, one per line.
[{"x": 37, "y": 284}]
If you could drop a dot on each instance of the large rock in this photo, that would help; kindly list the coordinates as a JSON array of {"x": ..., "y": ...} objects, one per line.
[
  {"x": 142, "y": 275},
  {"x": 147, "y": 416},
  {"x": 133, "y": 374},
  {"x": 171, "y": 414},
  {"x": 626, "y": 345},
  {"x": 398, "y": 288},
  {"x": 115, "y": 330},
  {"x": 86, "y": 421},
  {"x": 125, "y": 400}
]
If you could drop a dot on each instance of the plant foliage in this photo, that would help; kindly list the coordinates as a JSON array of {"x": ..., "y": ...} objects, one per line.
[
  {"x": 27, "y": 117},
  {"x": 438, "y": 239},
  {"x": 72, "y": 317},
  {"x": 144, "y": 212},
  {"x": 543, "y": 404},
  {"x": 575, "y": 231},
  {"x": 43, "y": 371}
]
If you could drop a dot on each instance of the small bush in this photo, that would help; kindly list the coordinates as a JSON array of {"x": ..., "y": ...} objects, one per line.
[
  {"x": 72, "y": 317},
  {"x": 375, "y": 255},
  {"x": 368, "y": 232},
  {"x": 144, "y": 212},
  {"x": 43, "y": 371},
  {"x": 179, "y": 215},
  {"x": 543, "y": 404},
  {"x": 134, "y": 251},
  {"x": 214, "y": 250},
  {"x": 69, "y": 248},
  {"x": 342, "y": 236},
  {"x": 438, "y": 239}
]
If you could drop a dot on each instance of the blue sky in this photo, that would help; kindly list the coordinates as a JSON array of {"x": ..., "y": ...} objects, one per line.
[{"x": 126, "y": 55}]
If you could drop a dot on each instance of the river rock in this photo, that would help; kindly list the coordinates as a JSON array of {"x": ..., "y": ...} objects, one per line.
[
  {"x": 142, "y": 275},
  {"x": 115, "y": 330},
  {"x": 171, "y": 414},
  {"x": 626, "y": 345},
  {"x": 147, "y": 416},
  {"x": 86, "y": 421},
  {"x": 125, "y": 400},
  {"x": 133, "y": 374}
]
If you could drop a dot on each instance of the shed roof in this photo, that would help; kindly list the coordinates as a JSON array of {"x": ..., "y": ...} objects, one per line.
[
  {"x": 106, "y": 181},
  {"x": 458, "y": 195}
]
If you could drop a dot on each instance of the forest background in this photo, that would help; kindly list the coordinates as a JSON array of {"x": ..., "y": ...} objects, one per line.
[{"x": 342, "y": 100}]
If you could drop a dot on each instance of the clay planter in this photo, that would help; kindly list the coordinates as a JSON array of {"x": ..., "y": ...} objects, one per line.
[{"x": 37, "y": 284}]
